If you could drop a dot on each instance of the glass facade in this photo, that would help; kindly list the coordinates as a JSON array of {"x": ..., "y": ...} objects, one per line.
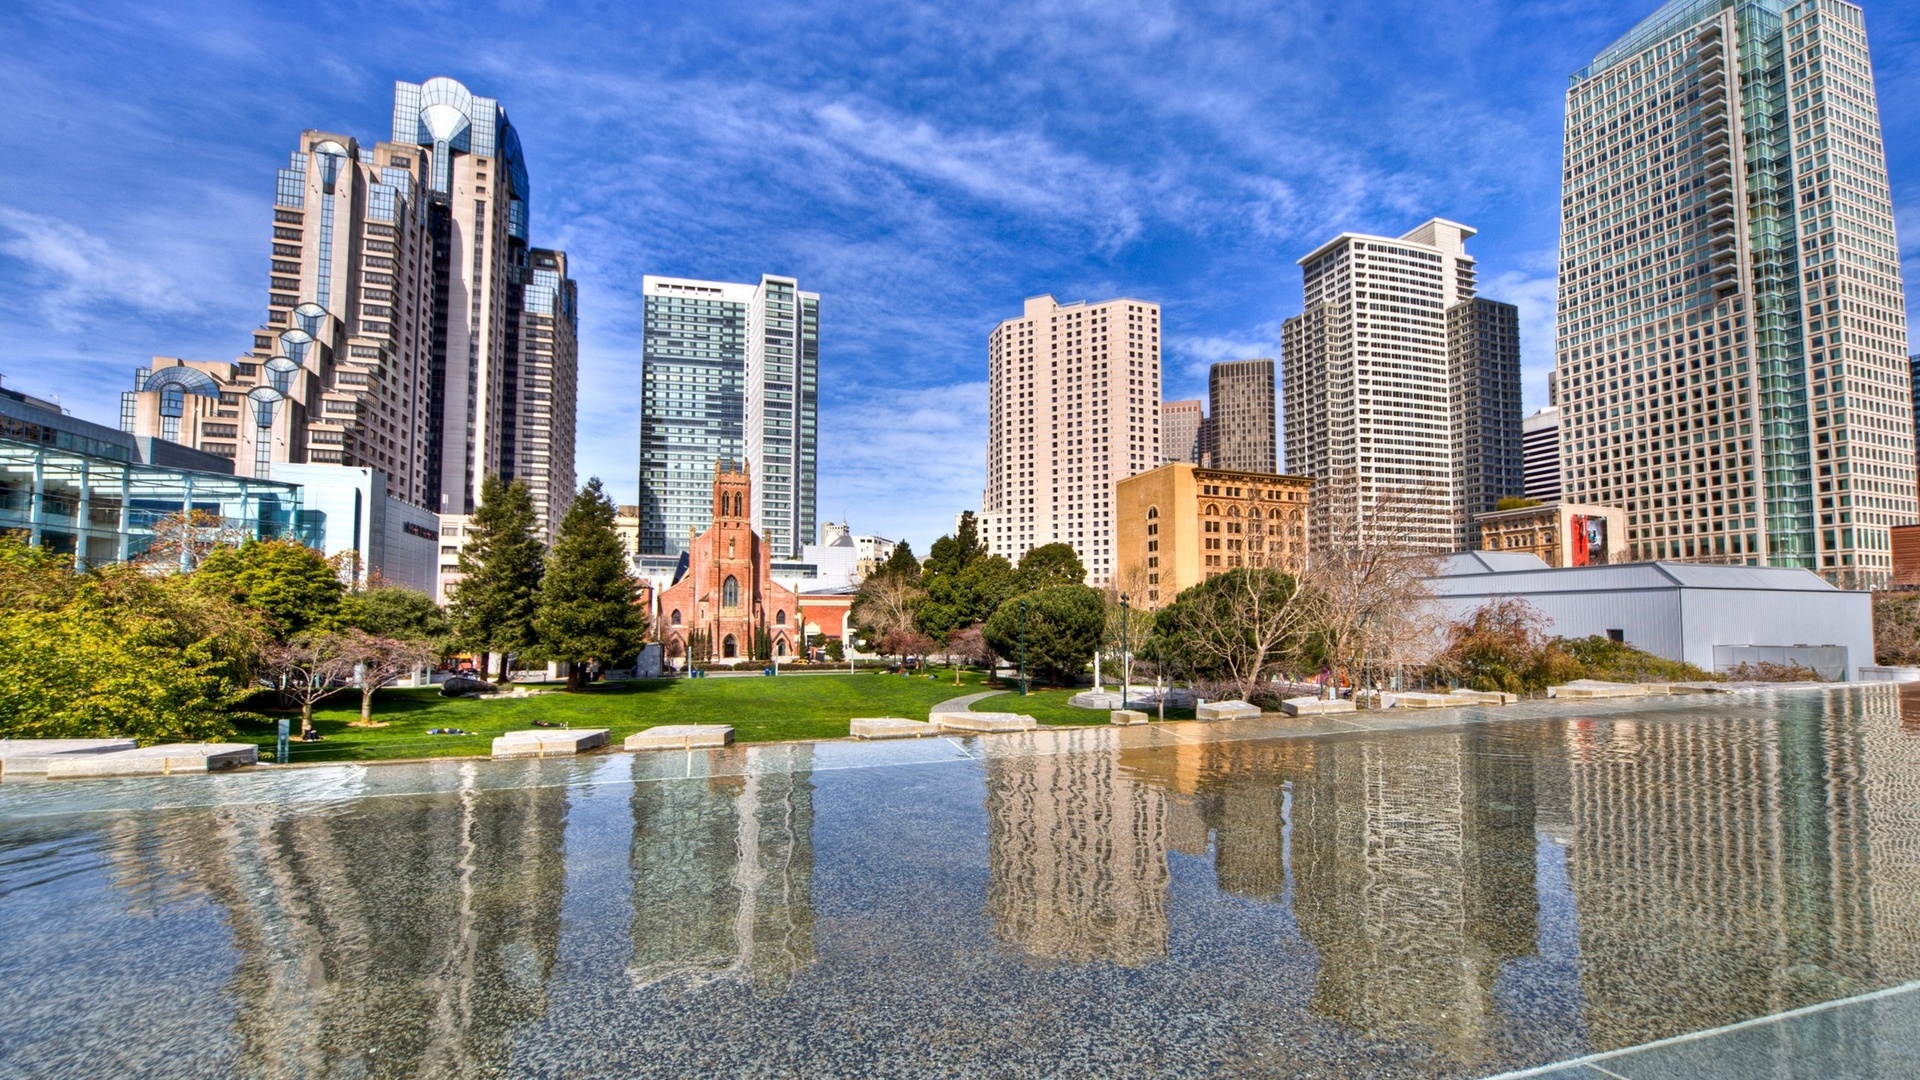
[
  {"x": 692, "y": 404},
  {"x": 730, "y": 372},
  {"x": 1731, "y": 356},
  {"x": 102, "y": 507}
]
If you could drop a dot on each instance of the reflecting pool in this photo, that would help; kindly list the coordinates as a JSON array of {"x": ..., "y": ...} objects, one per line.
[{"x": 1479, "y": 893}]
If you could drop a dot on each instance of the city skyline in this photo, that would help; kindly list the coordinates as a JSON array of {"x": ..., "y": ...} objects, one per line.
[{"x": 1024, "y": 191}]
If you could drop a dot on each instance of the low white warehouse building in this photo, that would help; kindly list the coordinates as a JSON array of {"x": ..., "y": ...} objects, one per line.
[{"x": 1714, "y": 617}]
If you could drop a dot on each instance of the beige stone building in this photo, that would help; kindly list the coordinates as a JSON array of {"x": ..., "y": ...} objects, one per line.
[
  {"x": 1180, "y": 524},
  {"x": 1561, "y": 534},
  {"x": 1073, "y": 409},
  {"x": 1183, "y": 431}
]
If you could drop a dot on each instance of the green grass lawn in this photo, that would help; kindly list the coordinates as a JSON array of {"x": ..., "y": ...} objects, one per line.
[{"x": 760, "y": 710}]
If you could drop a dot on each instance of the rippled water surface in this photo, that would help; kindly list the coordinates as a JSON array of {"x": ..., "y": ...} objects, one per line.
[{"x": 1452, "y": 901}]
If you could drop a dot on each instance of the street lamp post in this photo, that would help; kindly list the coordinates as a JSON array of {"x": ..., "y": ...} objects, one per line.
[
  {"x": 1126, "y": 650},
  {"x": 1023, "y": 647}
]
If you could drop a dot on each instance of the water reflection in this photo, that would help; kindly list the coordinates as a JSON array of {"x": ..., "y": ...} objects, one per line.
[
  {"x": 1426, "y": 903},
  {"x": 723, "y": 869},
  {"x": 395, "y": 937}
]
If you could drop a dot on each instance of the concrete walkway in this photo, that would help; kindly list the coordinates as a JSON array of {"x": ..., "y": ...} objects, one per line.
[{"x": 963, "y": 704}]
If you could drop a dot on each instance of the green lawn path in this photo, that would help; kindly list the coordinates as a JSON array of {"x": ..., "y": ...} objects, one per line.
[{"x": 760, "y": 709}]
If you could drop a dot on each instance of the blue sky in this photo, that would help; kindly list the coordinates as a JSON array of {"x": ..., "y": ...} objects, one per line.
[{"x": 923, "y": 166}]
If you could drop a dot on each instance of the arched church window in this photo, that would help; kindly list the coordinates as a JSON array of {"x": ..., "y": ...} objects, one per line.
[
  {"x": 780, "y": 619},
  {"x": 675, "y": 620},
  {"x": 730, "y": 593}
]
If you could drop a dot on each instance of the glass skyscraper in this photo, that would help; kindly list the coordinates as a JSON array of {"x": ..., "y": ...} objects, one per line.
[
  {"x": 729, "y": 373},
  {"x": 1731, "y": 355}
]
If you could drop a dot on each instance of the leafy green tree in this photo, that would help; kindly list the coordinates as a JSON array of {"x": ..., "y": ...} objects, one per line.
[
  {"x": 961, "y": 597},
  {"x": 294, "y": 585},
  {"x": 393, "y": 611},
  {"x": 117, "y": 651},
  {"x": 587, "y": 610},
  {"x": 501, "y": 564},
  {"x": 1049, "y": 565},
  {"x": 900, "y": 564},
  {"x": 1063, "y": 627}
]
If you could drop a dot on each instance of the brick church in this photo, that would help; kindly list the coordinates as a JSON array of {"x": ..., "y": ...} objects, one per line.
[{"x": 726, "y": 606}]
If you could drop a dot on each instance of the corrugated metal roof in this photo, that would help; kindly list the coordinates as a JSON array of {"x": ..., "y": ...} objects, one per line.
[
  {"x": 1490, "y": 562},
  {"x": 1625, "y": 577}
]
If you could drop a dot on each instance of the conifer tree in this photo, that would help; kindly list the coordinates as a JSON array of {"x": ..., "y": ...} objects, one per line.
[
  {"x": 586, "y": 609},
  {"x": 501, "y": 565}
]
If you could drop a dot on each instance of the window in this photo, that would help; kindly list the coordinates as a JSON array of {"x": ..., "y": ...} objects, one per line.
[
  {"x": 675, "y": 619},
  {"x": 780, "y": 619},
  {"x": 730, "y": 593}
]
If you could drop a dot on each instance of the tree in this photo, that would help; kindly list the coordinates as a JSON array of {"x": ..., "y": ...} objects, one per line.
[
  {"x": 1063, "y": 627},
  {"x": 1049, "y": 565},
  {"x": 117, "y": 651},
  {"x": 501, "y": 564},
  {"x": 395, "y": 611},
  {"x": 958, "y": 596},
  {"x": 968, "y": 645},
  {"x": 906, "y": 642},
  {"x": 378, "y": 661},
  {"x": 309, "y": 668},
  {"x": 181, "y": 540},
  {"x": 1366, "y": 583},
  {"x": 887, "y": 601},
  {"x": 292, "y": 584},
  {"x": 1896, "y": 628},
  {"x": 1503, "y": 645},
  {"x": 587, "y": 610},
  {"x": 901, "y": 563},
  {"x": 1235, "y": 627},
  {"x": 1515, "y": 502}
]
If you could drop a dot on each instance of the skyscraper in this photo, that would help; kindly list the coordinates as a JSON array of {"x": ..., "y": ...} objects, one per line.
[
  {"x": 1242, "y": 426},
  {"x": 1073, "y": 408},
  {"x": 1483, "y": 380},
  {"x": 1366, "y": 366},
  {"x": 410, "y": 327},
  {"x": 541, "y": 384},
  {"x": 1732, "y": 323},
  {"x": 729, "y": 373},
  {"x": 1540, "y": 435},
  {"x": 1182, "y": 429}
]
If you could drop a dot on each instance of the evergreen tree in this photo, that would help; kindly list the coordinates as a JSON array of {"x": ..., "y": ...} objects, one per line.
[
  {"x": 1049, "y": 565},
  {"x": 901, "y": 564},
  {"x": 501, "y": 563},
  {"x": 586, "y": 609},
  {"x": 1062, "y": 628}
]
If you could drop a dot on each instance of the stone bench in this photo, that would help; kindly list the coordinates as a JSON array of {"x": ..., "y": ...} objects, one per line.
[
  {"x": 889, "y": 727},
  {"x": 979, "y": 722},
  {"x": 681, "y": 737},
  {"x": 1484, "y": 697},
  {"x": 1226, "y": 710},
  {"x": 1129, "y": 717},
  {"x": 168, "y": 760},
  {"x": 1595, "y": 690},
  {"x": 548, "y": 742},
  {"x": 1313, "y": 706},
  {"x": 29, "y": 757},
  {"x": 1421, "y": 700}
]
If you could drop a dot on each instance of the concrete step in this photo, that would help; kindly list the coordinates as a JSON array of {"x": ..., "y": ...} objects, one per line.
[
  {"x": 548, "y": 742},
  {"x": 890, "y": 727},
  {"x": 167, "y": 760},
  {"x": 29, "y": 757},
  {"x": 979, "y": 722},
  {"x": 681, "y": 737}
]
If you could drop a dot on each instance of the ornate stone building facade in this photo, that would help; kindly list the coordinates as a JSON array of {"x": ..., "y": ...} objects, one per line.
[{"x": 725, "y": 604}]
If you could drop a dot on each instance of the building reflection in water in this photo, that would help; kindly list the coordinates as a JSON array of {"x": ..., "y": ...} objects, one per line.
[
  {"x": 1730, "y": 868},
  {"x": 1077, "y": 850},
  {"x": 397, "y": 936},
  {"x": 722, "y": 872}
]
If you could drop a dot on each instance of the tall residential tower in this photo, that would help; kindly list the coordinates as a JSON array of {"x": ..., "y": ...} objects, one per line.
[
  {"x": 1732, "y": 323},
  {"x": 1489, "y": 456},
  {"x": 729, "y": 373},
  {"x": 1242, "y": 427},
  {"x": 1073, "y": 409},
  {"x": 1366, "y": 367}
]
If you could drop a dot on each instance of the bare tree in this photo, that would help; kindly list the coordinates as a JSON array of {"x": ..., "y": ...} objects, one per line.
[
  {"x": 1237, "y": 627},
  {"x": 968, "y": 645},
  {"x": 885, "y": 604},
  {"x": 1366, "y": 581},
  {"x": 308, "y": 669},
  {"x": 181, "y": 540},
  {"x": 380, "y": 661}
]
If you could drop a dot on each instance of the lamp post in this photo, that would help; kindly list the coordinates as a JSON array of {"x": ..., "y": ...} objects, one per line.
[
  {"x": 1023, "y": 647},
  {"x": 1126, "y": 650}
]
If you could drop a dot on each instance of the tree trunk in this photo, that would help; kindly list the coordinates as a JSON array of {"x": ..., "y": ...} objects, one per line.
[
  {"x": 306, "y": 717},
  {"x": 366, "y": 701},
  {"x": 576, "y": 678}
]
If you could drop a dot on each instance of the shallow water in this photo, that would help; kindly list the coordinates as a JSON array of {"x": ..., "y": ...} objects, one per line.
[{"x": 1450, "y": 901}]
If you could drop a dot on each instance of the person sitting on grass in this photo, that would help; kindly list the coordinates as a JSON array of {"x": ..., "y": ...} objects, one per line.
[{"x": 447, "y": 731}]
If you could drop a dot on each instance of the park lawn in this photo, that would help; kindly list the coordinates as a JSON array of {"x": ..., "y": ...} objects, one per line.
[{"x": 760, "y": 710}]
